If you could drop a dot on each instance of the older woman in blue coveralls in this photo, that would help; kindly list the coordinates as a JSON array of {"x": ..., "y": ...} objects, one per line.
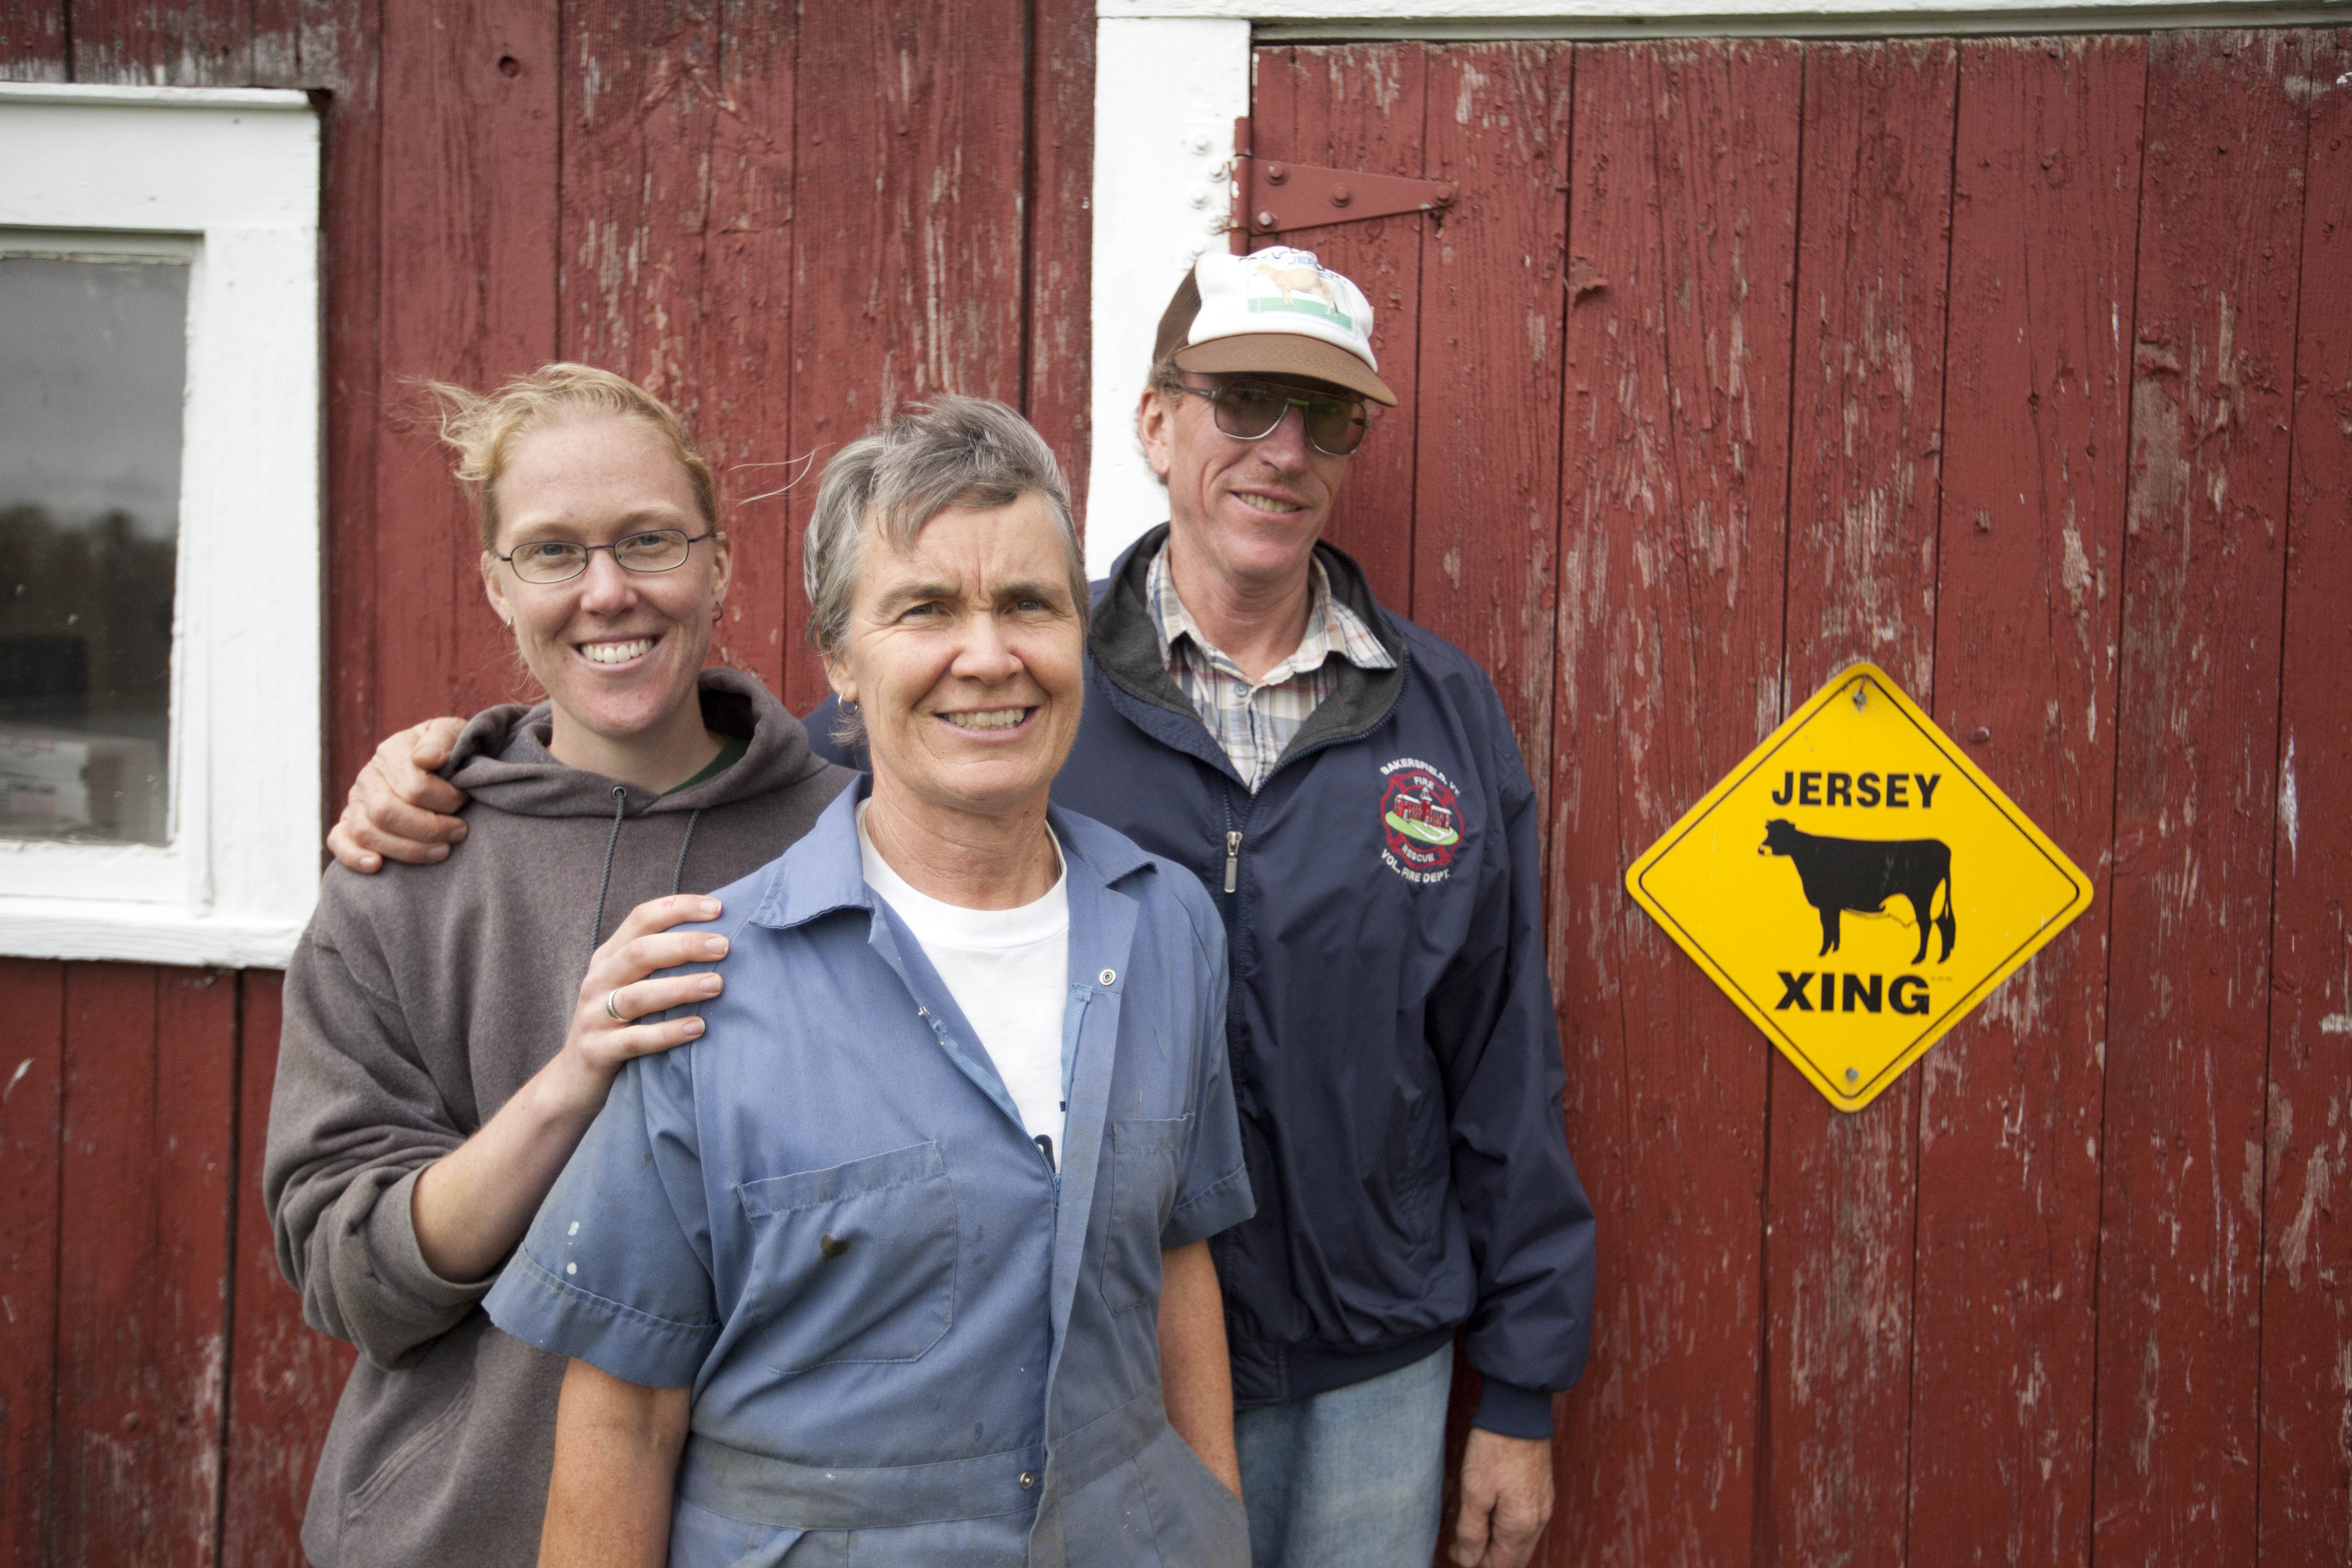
[{"x": 904, "y": 1260}]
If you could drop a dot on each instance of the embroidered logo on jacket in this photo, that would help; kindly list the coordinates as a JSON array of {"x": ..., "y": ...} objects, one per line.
[{"x": 1421, "y": 819}]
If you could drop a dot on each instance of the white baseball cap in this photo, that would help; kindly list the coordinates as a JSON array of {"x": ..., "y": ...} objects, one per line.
[{"x": 1277, "y": 311}]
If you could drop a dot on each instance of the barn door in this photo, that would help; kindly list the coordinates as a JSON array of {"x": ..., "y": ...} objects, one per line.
[{"x": 1736, "y": 361}]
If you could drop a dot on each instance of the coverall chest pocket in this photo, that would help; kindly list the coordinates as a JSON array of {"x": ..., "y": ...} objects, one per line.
[
  {"x": 1145, "y": 1157},
  {"x": 853, "y": 1263}
]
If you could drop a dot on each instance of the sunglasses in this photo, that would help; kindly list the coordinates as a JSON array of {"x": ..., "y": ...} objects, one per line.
[{"x": 1249, "y": 411}]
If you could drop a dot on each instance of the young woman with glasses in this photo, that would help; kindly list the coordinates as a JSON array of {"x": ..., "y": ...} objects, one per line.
[{"x": 451, "y": 1030}]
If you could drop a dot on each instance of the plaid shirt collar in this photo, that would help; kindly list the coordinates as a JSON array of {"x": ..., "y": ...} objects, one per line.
[{"x": 1331, "y": 628}]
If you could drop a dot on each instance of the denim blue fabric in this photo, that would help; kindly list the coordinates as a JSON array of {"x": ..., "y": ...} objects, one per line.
[
  {"x": 1350, "y": 1478},
  {"x": 902, "y": 1325}
]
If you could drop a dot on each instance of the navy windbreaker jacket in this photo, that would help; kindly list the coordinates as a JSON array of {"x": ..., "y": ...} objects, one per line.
[{"x": 1395, "y": 1059}]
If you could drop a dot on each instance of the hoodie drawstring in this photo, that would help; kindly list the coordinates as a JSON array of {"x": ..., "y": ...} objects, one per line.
[
  {"x": 677, "y": 877},
  {"x": 620, "y": 803},
  {"x": 604, "y": 888}
]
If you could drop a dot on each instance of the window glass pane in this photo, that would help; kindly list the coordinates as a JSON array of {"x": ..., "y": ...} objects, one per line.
[{"x": 93, "y": 364}]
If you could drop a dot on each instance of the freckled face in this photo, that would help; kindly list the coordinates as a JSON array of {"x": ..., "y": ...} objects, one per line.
[
  {"x": 618, "y": 651},
  {"x": 964, "y": 656}
]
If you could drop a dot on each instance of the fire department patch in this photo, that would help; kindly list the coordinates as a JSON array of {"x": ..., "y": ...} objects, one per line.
[{"x": 1421, "y": 819}]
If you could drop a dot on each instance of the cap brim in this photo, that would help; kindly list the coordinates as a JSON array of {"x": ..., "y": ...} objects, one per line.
[{"x": 1286, "y": 353}]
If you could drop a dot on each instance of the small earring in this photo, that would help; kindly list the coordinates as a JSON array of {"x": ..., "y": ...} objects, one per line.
[{"x": 849, "y": 705}]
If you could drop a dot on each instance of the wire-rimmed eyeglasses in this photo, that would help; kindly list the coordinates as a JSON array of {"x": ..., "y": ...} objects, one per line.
[
  {"x": 1250, "y": 411},
  {"x": 561, "y": 560}
]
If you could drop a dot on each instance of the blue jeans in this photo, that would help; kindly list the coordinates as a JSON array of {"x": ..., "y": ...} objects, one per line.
[{"x": 1351, "y": 1479}]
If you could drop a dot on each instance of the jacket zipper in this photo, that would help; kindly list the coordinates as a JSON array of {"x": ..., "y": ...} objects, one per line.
[{"x": 1233, "y": 857}]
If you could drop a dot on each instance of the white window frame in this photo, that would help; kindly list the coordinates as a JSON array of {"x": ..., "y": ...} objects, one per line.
[
  {"x": 1171, "y": 76},
  {"x": 231, "y": 175}
]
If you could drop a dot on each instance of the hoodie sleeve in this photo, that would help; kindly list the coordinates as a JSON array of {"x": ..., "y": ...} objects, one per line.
[{"x": 353, "y": 1118}]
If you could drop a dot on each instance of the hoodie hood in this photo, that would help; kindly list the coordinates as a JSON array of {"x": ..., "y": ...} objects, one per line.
[{"x": 501, "y": 758}]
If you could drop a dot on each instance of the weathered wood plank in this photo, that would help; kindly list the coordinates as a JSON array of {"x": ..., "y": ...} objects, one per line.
[
  {"x": 468, "y": 266},
  {"x": 2305, "y": 1462},
  {"x": 1061, "y": 232},
  {"x": 32, "y": 997},
  {"x": 156, "y": 43},
  {"x": 150, "y": 1071},
  {"x": 741, "y": 393},
  {"x": 284, "y": 1376},
  {"x": 676, "y": 248},
  {"x": 1361, "y": 106},
  {"x": 908, "y": 263},
  {"x": 333, "y": 45},
  {"x": 33, "y": 41},
  {"x": 2220, "y": 229},
  {"x": 1872, "y": 259},
  {"x": 1681, "y": 245},
  {"x": 1485, "y": 475},
  {"x": 2045, "y": 217}
]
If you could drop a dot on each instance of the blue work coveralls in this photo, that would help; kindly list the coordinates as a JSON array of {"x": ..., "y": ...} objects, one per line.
[{"x": 909, "y": 1339}]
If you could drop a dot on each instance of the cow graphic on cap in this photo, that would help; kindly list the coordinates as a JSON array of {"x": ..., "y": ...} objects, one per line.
[
  {"x": 1296, "y": 280},
  {"x": 1864, "y": 875}
]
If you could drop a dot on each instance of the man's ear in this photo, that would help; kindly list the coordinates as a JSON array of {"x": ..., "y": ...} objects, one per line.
[
  {"x": 1154, "y": 426},
  {"x": 494, "y": 589}
]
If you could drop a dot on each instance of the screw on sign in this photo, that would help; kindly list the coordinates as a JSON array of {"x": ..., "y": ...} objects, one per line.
[{"x": 1856, "y": 885}]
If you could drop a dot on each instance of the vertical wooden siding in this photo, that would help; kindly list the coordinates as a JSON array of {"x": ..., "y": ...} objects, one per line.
[{"x": 2017, "y": 366}]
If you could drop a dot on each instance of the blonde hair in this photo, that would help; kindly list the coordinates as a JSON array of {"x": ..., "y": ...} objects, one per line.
[{"x": 482, "y": 428}]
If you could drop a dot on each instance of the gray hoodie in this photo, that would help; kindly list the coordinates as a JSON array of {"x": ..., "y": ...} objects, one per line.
[{"x": 419, "y": 1000}]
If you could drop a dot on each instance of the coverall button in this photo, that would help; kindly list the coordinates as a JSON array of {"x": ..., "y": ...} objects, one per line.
[
  {"x": 1028, "y": 1479},
  {"x": 1108, "y": 976}
]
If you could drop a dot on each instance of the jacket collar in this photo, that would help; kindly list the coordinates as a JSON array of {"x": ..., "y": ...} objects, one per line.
[
  {"x": 1124, "y": 643},
  {"x": 824, "y": 871}
]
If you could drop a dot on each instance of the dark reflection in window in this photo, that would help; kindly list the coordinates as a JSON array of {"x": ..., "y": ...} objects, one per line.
[{"x": 93, "y": 364}]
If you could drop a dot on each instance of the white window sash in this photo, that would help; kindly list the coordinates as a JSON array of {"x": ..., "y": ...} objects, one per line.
[{"x": 235, "y": 175}]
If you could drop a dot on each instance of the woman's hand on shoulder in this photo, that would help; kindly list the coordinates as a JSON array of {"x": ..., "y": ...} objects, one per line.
[
  {"x": 400, "y": 807},
  {"x": 616, "y": 992}
]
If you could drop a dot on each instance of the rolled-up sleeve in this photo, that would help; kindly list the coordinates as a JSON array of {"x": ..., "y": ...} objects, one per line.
[
  {"x": 615, "y": 1269},
  {"x": 1213, "y": 1190},
  {"x": 354, "y": 1116}
]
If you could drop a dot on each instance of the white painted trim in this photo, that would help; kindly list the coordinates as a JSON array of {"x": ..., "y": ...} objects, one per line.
[
  {"x": 2093, "y": 16},
  {"x": 1166, "y": 96},
  {"x": 238, "y": 179},
  {"x": 1441, "y": 12},
  {"x": 246, "y": 98}
]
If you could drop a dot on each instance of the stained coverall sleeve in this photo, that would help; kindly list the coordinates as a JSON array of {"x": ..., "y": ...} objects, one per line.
[{"x": 615, "y": 1269}]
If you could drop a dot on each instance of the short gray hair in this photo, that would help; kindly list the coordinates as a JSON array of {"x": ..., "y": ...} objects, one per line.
[{"x": 950, "y": 452}]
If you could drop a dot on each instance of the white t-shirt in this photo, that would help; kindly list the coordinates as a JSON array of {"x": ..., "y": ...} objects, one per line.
[{"x": 1009, "y": 969}]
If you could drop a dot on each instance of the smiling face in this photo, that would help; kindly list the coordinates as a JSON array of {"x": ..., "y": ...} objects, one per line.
[
  {"x": 963, "y": 654},
  {"x": 618, "y": 651},
  {"x": 1249, "y": 511}
]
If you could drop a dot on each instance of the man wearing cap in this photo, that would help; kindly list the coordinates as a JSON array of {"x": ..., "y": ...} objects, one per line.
[{"x": 1346, "y": 786}]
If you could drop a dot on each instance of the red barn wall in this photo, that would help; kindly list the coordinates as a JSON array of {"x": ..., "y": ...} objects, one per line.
[{"x": 2075, "y": 1292}]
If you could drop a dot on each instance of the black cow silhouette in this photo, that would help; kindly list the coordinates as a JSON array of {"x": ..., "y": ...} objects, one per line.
[{"x": 1863, "y": 874}]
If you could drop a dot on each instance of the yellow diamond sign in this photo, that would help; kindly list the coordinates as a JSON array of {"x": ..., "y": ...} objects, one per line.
[{"x": 1858, "y": 885}]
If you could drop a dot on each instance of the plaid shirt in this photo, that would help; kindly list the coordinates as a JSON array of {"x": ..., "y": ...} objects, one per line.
[{"x": 1254, "y": 721}]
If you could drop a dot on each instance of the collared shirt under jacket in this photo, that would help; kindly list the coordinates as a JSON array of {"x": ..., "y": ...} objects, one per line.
[{"x": 904, "y": 1329}]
